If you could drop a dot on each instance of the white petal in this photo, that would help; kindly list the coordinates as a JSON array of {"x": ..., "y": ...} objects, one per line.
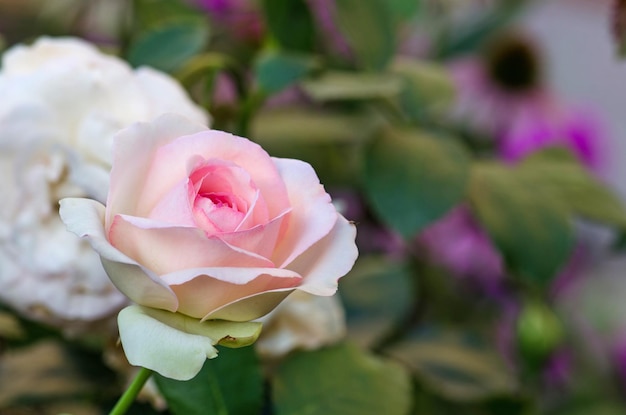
[{"x": 175, "y": 345}]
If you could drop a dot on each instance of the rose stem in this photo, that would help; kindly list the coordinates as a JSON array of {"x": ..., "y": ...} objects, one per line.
[{"x": 131, "y": 393}]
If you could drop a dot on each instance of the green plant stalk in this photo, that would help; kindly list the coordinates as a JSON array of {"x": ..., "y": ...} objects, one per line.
[{"x": 131, "y": 393}]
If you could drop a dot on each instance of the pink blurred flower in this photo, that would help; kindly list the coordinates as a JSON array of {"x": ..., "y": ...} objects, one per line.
[
  {"x": 324, "y": 13},
  {"x": 458, "y": 243},
  {"x": 241, "y": 17},
  {"x": 501, "y": 95}
]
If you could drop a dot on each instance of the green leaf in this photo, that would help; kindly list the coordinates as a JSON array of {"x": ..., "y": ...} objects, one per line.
[
  {"x": 470, "y": 36},
  {"x": 152, "y": 14},
  {"x": 559, "y": 173},
  {"x": 304, "y": 126},
  {"x": 376, "y": 294},
  {"x": 413, "y": 179},
  {"x": 275, "y": 71},
  {"x": 369, "y": 29},
  {"x": 228, "y": 385},
  {"x": 341, "y": 380},
  {"x": 457, "y": 365},
  {"x": 531, "y": 227},
  {"x": 291, "y": 23},
  {"x": 403, "y": 10},
  {"x": 428, "y": 89},
  {"x": 204, "y": 64},
  {"x": 168, "y": 47},
  {"x": 330, "y": 141},
  {"x": 337, "y": 86}
]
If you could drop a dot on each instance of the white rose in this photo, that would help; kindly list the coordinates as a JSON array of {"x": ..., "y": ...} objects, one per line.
[{"x": 61, "y": 101}]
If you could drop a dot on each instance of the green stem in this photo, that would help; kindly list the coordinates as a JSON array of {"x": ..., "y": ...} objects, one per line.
[{"x": 131, "y": 393}]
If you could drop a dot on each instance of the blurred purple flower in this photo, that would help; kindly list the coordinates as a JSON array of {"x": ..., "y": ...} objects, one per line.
[
  {"x": 324, "y": 13},
  {"x": 537, "y": 127},
  {"x": 558, "y": 369},
  {"x": 619, "y": 360},
  {"x": 458, "y": 243},
  {"x": 501, "y": 95},
  {"x": 240, "y": 17},
  {"x": 372, "y": 237}
]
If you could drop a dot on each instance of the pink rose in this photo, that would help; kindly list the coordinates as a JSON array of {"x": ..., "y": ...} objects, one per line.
[{"x": 201, "y": 225}]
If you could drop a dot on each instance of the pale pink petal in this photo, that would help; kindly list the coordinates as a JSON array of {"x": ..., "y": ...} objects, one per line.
[
  {"x": 261, "y": 239},
  {"x": 312, "y": 216},
  {"x": 165, "y": 249},
  {"x": 133, "y": 150},
  {"x": 175, "y": 207},
  {"x": 171, "y": 162},
  {"x": 251, "y": 307},
  {"x": 208, "y": 289},
  {"x": 85, "y": 218},
  {"x": 328, "y": 260},
  {"x": 257, "y": 213}
]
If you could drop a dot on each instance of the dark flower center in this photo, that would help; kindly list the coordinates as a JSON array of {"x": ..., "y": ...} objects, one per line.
[{"x": 513, "y": 64}]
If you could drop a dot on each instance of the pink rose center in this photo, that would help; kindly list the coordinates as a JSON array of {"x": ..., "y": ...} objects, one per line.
[{"x": 222, "y": 193}]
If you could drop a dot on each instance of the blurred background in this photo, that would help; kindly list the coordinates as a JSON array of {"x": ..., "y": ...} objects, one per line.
[{"x": 478, "y": 145}]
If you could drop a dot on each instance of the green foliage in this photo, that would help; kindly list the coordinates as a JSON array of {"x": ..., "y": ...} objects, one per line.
[
  {"x": 455, "y": 364},
  {"x": 376, "y": 294},
  {"x": 152, "y": 14},
  {"x": 403, "y": 10},
  {"x": 428, "y": 88},
  {"x": 230, "y": 384},
  {"x": 528, "y": 210},
  {"x": 167, "y": 33},
  {"x": 340, "y": 380},
  {"x": 330, "y": 141},
  {"x": 369, "y": 30},
  {"x": 168, "y": 48},
  {"x": 275, "y": 71},
  {"x": 472, "y": 35},
  {"x": 531, "y": 227},
  {"x": 539, "y": 333},
  {"x": 412, "y": 178},
  {"x": 290, "y": 23},
  {"x": 558, "y": 172},
  {"x": 339, "y": 86}
]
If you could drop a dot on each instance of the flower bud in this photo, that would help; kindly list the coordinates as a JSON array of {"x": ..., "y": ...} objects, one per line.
[{"x": 539, "y": 332}]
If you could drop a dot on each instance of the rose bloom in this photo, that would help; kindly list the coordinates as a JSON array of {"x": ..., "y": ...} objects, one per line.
[
  {"x": 61, "y": 100},
  {"x": 200, "y": 226}
]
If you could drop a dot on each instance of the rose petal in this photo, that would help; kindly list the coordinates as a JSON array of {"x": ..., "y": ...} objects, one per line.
[
  {"x": 165, "y": 249},
  {"x": 207, "y": 289},
  {"x": 328, "y": 260},
  {"x": 133, "y": 150},
  {"x": 175, "y": 345},
  {"x": 312, "y": 216},
  {"x": 251, "y": 307},
  {"x": 175, "y": 207},
  {"x": 171, "y": 162},
  {"x": 85, "y": 218},
  {"x": 167, "y": 96},
  {"x": 261, "y": 239}
]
